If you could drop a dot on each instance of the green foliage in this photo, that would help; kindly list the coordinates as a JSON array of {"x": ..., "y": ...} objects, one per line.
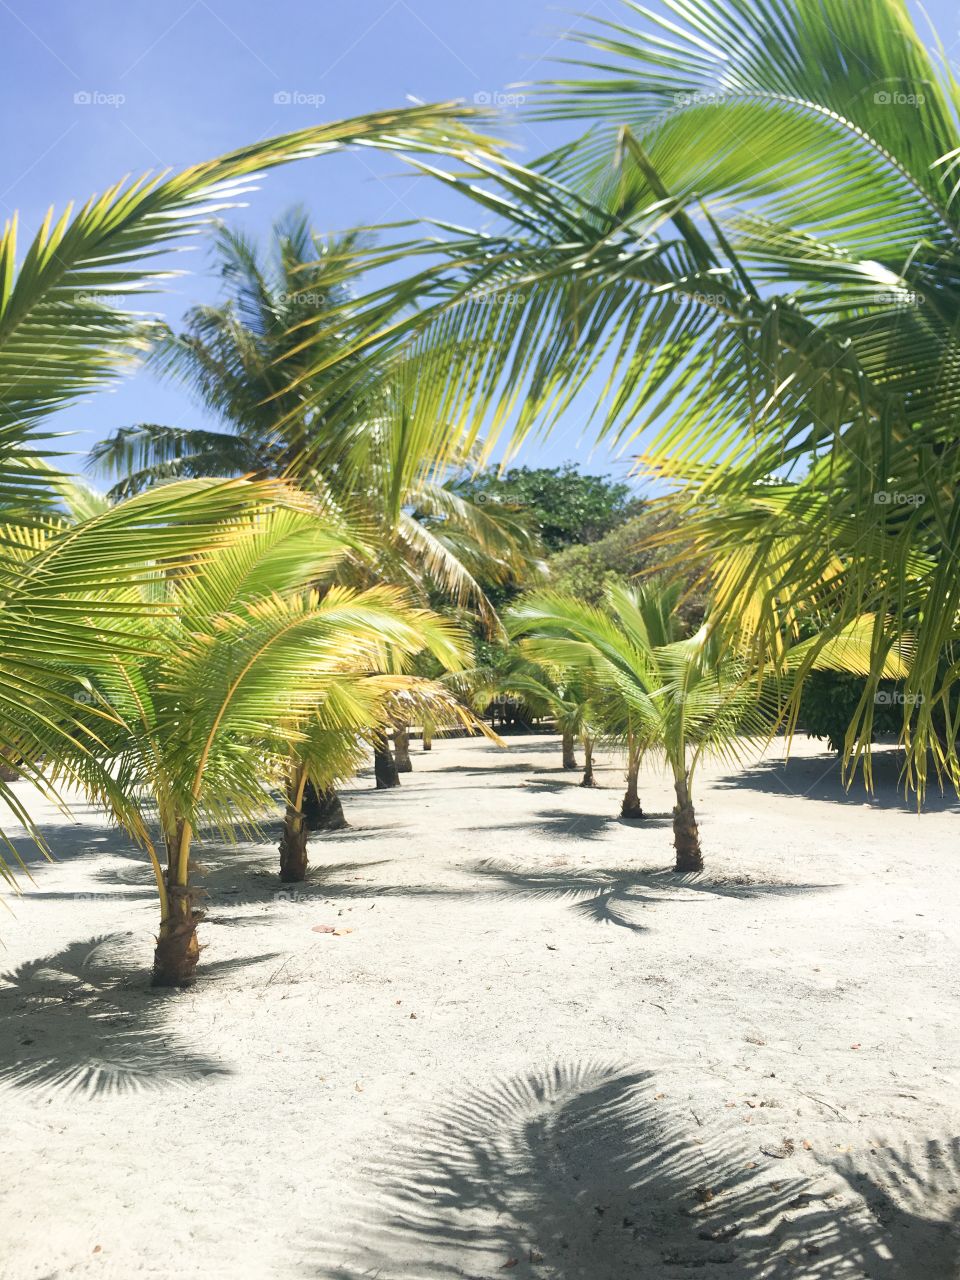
[
  {"x": 829, "y": 705},
  {"x": 303, "y": 411},
  {"x": 561, "y": 505},
  {"x": 588, "y": 572},
  {"x": 748, "y": 262},
  {"x": 66, "y": 329}
]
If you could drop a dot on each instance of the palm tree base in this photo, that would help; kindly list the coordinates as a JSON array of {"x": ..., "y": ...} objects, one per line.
[
  {"x": 293, "y": 850},
  {"x": 322, "y": 810},
  {"x": 177, "y": 952},
  {"x": 401, "y": 751},
  {"x": 385, "y": 768},
  {"x": 633, "y": 810},
  {"x": 686, "y": 840}
]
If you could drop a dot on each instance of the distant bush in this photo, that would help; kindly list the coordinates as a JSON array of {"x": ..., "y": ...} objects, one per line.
[
  {"x": 587, "y": 571},
  {"x": 830, "y": 700}
]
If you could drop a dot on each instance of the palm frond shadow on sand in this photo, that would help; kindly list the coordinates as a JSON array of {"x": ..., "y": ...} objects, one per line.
[
  {"x": 821, "y": 778},
  {"x": 75, "y": 1022},
  {"x": 614, "y": 895},
  {"x": 69, "y": 840},
  {"x": 582, "y": 1171},
  {"x": 561, "y": 824}
]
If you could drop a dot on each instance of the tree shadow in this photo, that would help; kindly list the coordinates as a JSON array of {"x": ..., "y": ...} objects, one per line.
[
  {"x": 912, "y": 1196},
  {"x": 821, "y": 778},
  {"x": 561, "y": 824},
  {"x": 583, "y": 1171},
  {"x": 69, "y": 840},
  {"x": 612, "y": 895},
  {"x": 550, "y": 784},
  {"x": 471, "y": 770},
  {"x": 79, "y": 1023}
]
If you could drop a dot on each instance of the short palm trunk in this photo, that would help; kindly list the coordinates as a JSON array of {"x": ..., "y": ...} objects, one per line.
[
  {"x": 384, "y": 765},
  {"x": 631, "y": 807},
  {"x": 588, "y": 780},
  {"x": 686, "y": 837},
  {"x": 177, "y": 951},
  {"x": 322, "y": 810},
  {"x": 293, "y": 847},
  {"x": 569, "y": 755},
  {"x": 401, "y": 749},
  {"x": 427, "y": 740}
]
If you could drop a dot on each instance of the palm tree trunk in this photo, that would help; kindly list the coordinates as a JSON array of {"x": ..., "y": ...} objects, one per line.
[
  {"x": 631, "y": 807},
  {"x": 384, "y": 766},
  {"x": 293, "y": 847},
  {"x": 293, "y": 842},
  {"x": 569, "y": 756},
  {"x": 427, "y": 738},
  {"x": 177, "y": 951},
  {"x": 322, "y": 809},
  {"x": 401, "y": 748},
  {"x": 588, "y": 779},
  {"x": 686, "y": 838}
]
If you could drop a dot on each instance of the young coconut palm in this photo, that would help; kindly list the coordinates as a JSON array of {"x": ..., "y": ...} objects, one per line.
[
  {"x": 77, "y": 597},
  {"x": 686, "y": 698},
  {"x": 352, "y": 714},
  {"x": 187, "y": 734},
  {"x": 544, "y": 689}
]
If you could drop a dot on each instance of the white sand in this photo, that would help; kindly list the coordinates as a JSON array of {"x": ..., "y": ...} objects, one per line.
[{"x": 536, "y": 1055}]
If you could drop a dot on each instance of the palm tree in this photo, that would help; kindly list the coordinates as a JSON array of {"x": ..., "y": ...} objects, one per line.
[
  {"x": 753, "y": 253},
  {"x": 683, "y": 697},
  {"x": 544, "y": 689},
  {"x": 356, "y": 706},
  {"x": 367, "y": 444},
  {"x": 244, "y": 658},
  {"x": 71, "y": 602},
  {"x": 64, "y": 332}
]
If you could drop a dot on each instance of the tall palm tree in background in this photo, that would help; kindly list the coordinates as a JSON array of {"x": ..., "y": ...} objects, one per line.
[
  {"x": 367, "y": 444},
  {"x": 748, "y": 268}
]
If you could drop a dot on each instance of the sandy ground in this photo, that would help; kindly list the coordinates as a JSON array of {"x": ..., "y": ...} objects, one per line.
[{"x": 536, "y": 1054}]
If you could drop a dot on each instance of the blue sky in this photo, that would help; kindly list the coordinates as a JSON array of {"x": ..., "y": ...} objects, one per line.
[{"x": 177, "y": 82}]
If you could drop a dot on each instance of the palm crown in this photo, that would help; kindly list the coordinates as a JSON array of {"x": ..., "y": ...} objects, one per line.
[{"x": 748, "y": 265}]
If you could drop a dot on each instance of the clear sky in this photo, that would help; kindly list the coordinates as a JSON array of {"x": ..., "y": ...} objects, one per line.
[{"x": 176, "y": 82}]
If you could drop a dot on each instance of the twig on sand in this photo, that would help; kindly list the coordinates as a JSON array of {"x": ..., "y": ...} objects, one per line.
[{"x": 829, "y": 1105}]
